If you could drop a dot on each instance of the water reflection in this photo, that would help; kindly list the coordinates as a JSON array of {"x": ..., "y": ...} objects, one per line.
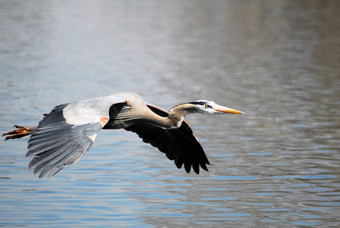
[{"x": 277, "y": 61}]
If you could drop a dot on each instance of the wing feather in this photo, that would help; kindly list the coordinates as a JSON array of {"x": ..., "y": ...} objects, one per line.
[
  {"x": 178, "y": 144},
  {"x": 56, "y": 144}
]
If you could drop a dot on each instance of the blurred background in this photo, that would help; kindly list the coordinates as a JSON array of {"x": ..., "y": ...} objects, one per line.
[{"x": 278, "y": 61}]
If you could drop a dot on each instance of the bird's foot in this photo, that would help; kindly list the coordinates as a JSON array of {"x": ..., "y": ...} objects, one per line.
[{"x": 20, "y": 132}]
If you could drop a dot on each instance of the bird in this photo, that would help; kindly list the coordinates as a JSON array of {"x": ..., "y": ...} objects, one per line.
[{"x": 65, "y": 134}]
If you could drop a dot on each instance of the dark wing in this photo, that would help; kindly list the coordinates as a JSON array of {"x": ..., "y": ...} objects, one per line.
[
  {"x": 56, "y": 144},
  {"x": 178, "y": 144}
]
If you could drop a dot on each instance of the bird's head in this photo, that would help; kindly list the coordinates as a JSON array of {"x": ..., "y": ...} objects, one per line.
[{"x": 210, "y": 107}]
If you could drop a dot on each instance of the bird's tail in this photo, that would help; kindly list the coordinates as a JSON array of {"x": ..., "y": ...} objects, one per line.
[{"x": 20, "y": 132}]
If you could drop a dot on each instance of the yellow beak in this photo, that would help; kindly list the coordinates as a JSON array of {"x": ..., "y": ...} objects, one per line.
[{"x": 222, "y": 109}]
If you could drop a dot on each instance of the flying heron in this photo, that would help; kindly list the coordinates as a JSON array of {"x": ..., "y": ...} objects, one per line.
[{"x": 65, "y": 134}]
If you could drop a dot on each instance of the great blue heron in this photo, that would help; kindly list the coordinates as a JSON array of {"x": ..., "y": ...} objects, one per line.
[{"x": 65, "y": 134}]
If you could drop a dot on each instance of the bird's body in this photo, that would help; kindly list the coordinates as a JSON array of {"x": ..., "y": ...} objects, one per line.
[{"x": 69, "y": 130}]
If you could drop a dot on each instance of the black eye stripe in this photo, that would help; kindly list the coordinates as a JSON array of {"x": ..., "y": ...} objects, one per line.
[{"x": 198, "y": 102}]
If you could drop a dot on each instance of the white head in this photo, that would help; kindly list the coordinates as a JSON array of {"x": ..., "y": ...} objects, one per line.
[{"x": 210, "y": 107}]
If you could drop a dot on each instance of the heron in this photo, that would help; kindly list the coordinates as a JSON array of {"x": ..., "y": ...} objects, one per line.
[{"x": 65, "y": 134}]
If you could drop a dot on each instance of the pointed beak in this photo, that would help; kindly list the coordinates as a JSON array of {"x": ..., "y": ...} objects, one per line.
[{"x": 221, "y": 109}]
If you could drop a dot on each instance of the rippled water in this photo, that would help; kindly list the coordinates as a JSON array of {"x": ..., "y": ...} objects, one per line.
[{"x": 278, "y": 61}]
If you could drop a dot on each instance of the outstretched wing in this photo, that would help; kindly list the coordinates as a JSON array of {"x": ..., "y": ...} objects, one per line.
[
  {"x": 57, "y": 143},
  {"x": 69, "y": 130},
  {"x": 178, "y": 144}
]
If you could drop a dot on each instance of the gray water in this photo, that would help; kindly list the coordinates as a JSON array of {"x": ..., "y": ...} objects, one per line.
[{"x": 278, "y": 61}]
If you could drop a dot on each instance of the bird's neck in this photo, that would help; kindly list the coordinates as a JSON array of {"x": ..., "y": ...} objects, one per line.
[{"x": 175, "y": 117}]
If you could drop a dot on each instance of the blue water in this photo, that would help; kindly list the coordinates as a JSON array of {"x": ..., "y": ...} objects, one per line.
[{"x": 276, "y": 166}]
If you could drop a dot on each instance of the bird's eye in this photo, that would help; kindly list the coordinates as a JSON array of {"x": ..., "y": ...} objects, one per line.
[{"x": 206, "y": 106}]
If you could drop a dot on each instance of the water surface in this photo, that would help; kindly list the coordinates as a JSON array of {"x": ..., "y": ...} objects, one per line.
[{"x": 278, "y": 61}]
